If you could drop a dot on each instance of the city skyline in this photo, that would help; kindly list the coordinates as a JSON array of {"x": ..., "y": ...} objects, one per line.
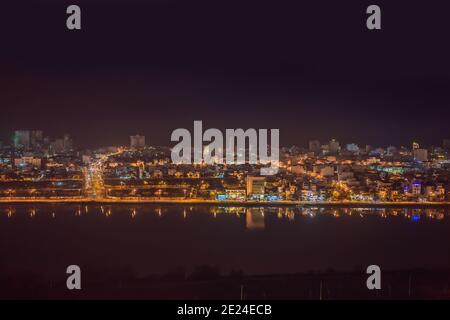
[
  {"x": 11, "y": 140},
  {"x": 37, "y": 169}
]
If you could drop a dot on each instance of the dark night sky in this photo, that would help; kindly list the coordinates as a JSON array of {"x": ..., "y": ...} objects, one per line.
[{"x": 310, "y": 68}]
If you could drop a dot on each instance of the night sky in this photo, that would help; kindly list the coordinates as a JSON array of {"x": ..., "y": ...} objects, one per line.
[{"x": 309, "y": 68}]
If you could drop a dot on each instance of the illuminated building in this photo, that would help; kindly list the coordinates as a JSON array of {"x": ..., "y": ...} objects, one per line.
[
  {"x": 420, "y": 154},
  {"x": 35, "y": 162},
  {"x": 157, "y": 174},
  {"x": 416, "y": 188},
  {"x": 352, "y": 147},
  {"x": 67, "y": 142},
  {"x": 21, "y": 139},
  {"x": 137, "y": 142},
  {"x": 232, "y": 194},
  {"x": 256, "y": 187},
  {"x": 314, "y": 146},
  {"x": 86, "y": 159},
  {"x": 141, "y": 168},
  {"x": 333, "y": 146},
  {"x": 61, "y": 145},
  {"x": 327, "y": 171},
  {"x": 298, "y": 169},
  {"x": 36, "y": 138},
  {"x": 446, "y": 144},
  {"x": 391, "y": 150},
  {"x": 345, "y": 175}
]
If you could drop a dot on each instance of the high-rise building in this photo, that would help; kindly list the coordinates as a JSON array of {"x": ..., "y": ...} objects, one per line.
[
  {"x": 420, "y": 154},
  {"x": 256, "y": 186},
  {"x": 137, "y": 142},
  {"x": 314, "y": 146},
  {"x": 352, "y": 147},
  {"x": 36, "y": 138},
  {"x": 21, "y": 139},
  {"x": 62, "y": 145},
  {"x": 333, "y": 146},
  {"x": 446, "y": 144},
  {"x": 391, "y": 150},
  {"x": 68, "y": 142},
  {"x": 57, "y": 146}
]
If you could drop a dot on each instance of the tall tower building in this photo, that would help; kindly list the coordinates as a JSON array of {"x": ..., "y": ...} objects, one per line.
[
  {"x": 420, "y": 154},
  {"x": 68, "y": 142},
  {"x": 334, "y": 146},
  {"x": 36, "y": 138},
  {"x": 141, "y": 168},
  {"x": 314, "y": 146},
  {"x": 22, "y": 139},
  {"x": 446, "y": 144},
  {"x": 137, "y": 142}
]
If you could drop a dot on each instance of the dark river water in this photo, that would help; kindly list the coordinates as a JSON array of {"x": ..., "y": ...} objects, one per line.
[{"x": 155, "y": 239}]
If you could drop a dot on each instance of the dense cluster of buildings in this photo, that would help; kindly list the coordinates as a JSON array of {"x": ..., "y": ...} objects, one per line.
[
  {"x": 33, "y": 165},
  {"x": 351, "y": 173},
  {"x": 319, "y": 173}
]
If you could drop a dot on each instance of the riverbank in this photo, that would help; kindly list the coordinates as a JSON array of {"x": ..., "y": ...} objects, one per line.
[{"x": 230, "y": 203}]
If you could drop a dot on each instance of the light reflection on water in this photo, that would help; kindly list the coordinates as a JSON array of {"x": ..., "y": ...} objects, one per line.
[
  {"x": 254, "y": 216},
  {"x": 152, "y": 238}
]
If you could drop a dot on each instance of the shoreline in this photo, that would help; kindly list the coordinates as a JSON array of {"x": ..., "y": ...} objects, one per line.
[{"x": 282, "y": 203}]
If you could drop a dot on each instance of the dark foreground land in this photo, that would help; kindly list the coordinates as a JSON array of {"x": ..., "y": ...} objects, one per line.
[{"x": 205, "y": 284}]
